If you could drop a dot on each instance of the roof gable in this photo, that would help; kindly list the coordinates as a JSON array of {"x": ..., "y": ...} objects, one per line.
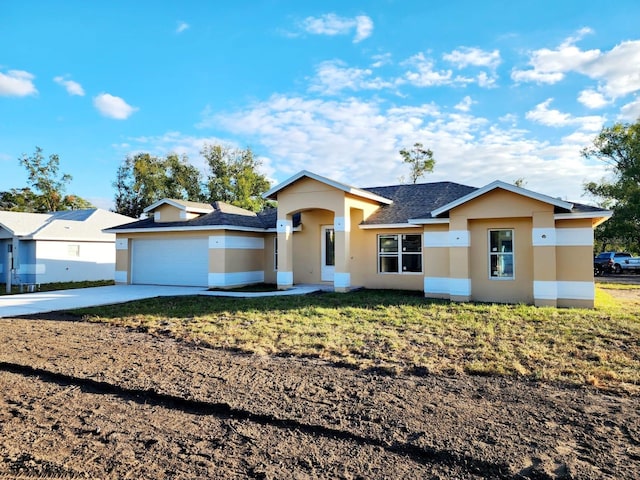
[
  {"x": 358, "y": 192},
  {"x": 504, "y": 186},
  {"x": 183, "y": 205}
]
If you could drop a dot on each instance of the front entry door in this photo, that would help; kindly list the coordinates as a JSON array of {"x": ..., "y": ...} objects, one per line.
[{"x": 328, "y": 261}]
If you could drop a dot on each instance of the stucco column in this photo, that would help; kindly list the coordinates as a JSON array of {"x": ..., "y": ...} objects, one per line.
[
  {"x": 342, "y": 273},
  {"x": 543, "y": 239},
  {"x": 284, "y": 227},
  {"x": 459, "y": 260}
]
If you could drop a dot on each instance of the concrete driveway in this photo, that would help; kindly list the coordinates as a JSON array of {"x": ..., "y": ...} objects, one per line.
[{"x": 41, "y": 302}]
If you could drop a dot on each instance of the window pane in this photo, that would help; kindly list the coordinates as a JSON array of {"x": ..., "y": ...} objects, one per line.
[
  {"x": 412, "y": 243},
  {"x": 389, "y": 264},
  {"x": 388, "y": 243},
  {"x": 329, "y": 247},
  {"x": 412, "y": 262},
  {"x": 501, "y": 241},
  {"x": 502, "y": 265}
]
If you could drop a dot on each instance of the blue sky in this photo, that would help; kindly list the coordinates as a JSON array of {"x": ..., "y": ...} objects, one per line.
[{"x": 497, "y": 89}]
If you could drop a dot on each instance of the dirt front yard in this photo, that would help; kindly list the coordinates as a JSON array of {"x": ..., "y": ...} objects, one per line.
[{"x": 82, "y": 400}]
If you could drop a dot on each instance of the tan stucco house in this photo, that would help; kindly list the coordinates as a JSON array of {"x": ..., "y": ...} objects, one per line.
[{"x": 498, "y": 243}]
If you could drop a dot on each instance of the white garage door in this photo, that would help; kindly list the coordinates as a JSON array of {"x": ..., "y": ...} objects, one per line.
[{"x": 182, "y": 261}]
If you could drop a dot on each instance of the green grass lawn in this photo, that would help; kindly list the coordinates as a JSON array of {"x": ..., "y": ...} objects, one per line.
[{"x": 404, "y": 332}]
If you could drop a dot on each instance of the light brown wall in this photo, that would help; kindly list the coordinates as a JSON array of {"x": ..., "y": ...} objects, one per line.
[
  {"x": 505, "y": 291},
  {"x": 168, "y": 213},
  {"x": 270, "y": 273},
  {"x": 122, "y": 260},
  {"x": 575, "y": 264},
  {"x": 365, "y": 271},
  {"x": 307, "y": 247},
  {"x": 243, "y": 260},
  {"x": 436, "y": 262},
  {"x": 309, "y": 194},
  {"x": 500, "y": 204}
]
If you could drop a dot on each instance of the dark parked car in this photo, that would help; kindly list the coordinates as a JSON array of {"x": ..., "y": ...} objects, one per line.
[{"x": 608, "y": 262}]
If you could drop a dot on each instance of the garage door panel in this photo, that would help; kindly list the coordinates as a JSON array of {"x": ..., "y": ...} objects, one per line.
[{"x": 182, "y": 261}]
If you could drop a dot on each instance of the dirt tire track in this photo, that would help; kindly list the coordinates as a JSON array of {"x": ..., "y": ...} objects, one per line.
[{"x": 329, "y": 422}]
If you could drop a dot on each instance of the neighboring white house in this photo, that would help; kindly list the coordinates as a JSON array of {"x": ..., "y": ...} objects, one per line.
[{"x": 63, "y": 246}]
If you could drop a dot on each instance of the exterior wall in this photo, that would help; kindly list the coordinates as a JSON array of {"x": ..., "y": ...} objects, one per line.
[
  {"x": 436, "y": 243},
  {"x": 553, "y": 259},
  {"x": 44, "y": 261},
  {"x": 235, "y": 258},
  {"x": 365, "y": 270},
  {"x": 307, "y": 252},
  {"x": 169, "y": 213},
  {"x": 270, "y": 272},
  {"x": 487, "y": 289},
  {"x": 303, "y": 264}
]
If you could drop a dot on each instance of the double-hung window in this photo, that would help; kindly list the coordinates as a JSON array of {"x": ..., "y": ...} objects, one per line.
[
  {"x": 501, "y": 254},
  {"x": 401, "y": 253}
]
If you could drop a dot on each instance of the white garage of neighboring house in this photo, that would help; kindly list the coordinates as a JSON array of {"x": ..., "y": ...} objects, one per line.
[{"x": 64, "y": 246}]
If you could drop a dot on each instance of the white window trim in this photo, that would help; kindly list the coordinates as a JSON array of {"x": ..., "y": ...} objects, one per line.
[
  {"x": 513, "y": 254},
  {"x": 399, "y": 254}
]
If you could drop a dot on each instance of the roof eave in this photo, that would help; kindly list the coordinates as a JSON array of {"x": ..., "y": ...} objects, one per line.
[
  {"x": 186, "y": 229},
  {"x": 386, "y": 226}
]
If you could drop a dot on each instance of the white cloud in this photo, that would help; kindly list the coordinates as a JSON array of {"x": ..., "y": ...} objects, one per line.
[
  {"x": 381, "y": 60},
  {"x": 616, "y": 69},
  {"x": 17, "y": 83},
  {"x": 465, "y": 104},
  {"x": 425, "y": 74},
  {"x": 543, "y": 115},
  {"x": 536, "y": 76},
  {"x": 113, "y": 107},
  {"x": 364, "y": 28},
  {"x": 73, "y": 88},
  {"x": 465, "y": 56},
  {"x": 357, "y": 142},
  {"x": 631, "y": 111},
  {"x": 592, "y": 99},
  {"x": 334, "y": 76},
  {"x": 182, "y": 26},
  {"x": 331, "y": 24}
]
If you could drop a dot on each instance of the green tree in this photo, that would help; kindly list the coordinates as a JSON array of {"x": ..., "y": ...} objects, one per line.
[
  {"x": 44, "y": 178},
  {"x": 520, "y": 182},
  {"x": 143, "y": 179},
  {"x": 233, "y": 177},
  {"x": 420, "y": 159},
  {"x": 619, "y": 147},
  {"x": 47, "y": 187},
  {"x": 18, "y": 200}
]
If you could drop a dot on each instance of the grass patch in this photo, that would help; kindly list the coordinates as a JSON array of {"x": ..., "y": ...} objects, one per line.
[
  {"x": 618, "y": 286},
  {"x": 402, "y": 331},
  {"x": 50, "y": 287}
]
